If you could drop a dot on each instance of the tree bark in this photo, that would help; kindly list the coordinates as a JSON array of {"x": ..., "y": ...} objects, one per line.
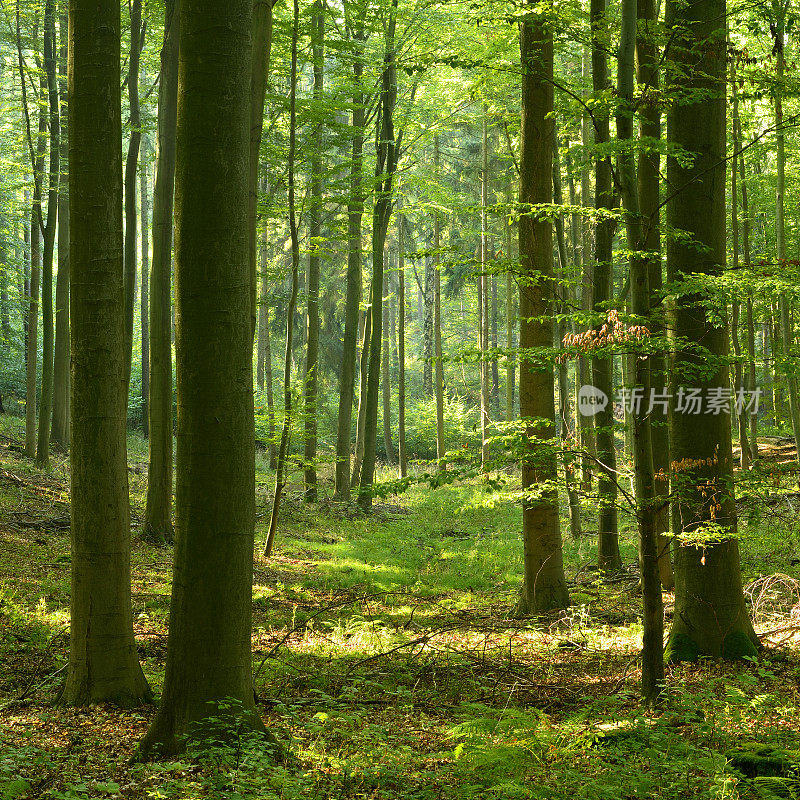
[
  {"x": 283, "y": 449},
  {"x": 259, "y": 69},
  {"x": 355, "y": 210},
  {"x": 312, "y": 283},
  {"x": 209, "y": 655},
  {"x": 131, "y": 163},
  {"x": 483, "y": 294},
  {"x": 401, "y": 342},
  {"x": 103, "y": 667},
  {"x": 386, "y": 376},
  {"x": 59, "y": 432},
  {"x": 608, "y": 557},
  {"x": 544, "y": 586},
  {"x": 437, "y": 325},
  {"x": 710, "y": 614},
  {"x": 144, "y": 205},
  {"x": 158, "y": 510},
  {"x": 46, "y": 397},
  {"x": 385, "y": 166}
]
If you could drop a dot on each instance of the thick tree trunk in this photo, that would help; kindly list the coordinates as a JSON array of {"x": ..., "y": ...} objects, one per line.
[
  {"x": 103, "y": 667},
  {"x": 209, "y": 659},
  {"x": 544, "y": 586},
  {"x": 158, "y": 511},
  {"x": 427, "y": 327},
  {"x": 131, "y": 164},
  {"x": 608, "y": 557},
  {"x": 710, "y": 614},
  {"x": 60, "y": 427},
  {"x": 355, "y": 210}
]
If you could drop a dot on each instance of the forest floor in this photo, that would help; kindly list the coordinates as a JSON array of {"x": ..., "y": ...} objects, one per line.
[{"x": 386, "y": 659}]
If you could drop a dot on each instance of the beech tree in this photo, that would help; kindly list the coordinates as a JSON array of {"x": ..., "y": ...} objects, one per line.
[
  {"x": 544, "y": 585},
  {"x": 103, "y": 666},
  {"x": 208, "y": 658},
  {"x": 710, "y": 615}
]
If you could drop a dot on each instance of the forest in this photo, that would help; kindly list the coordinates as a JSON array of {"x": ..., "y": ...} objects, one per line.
[{"x": 399, "y": 399}]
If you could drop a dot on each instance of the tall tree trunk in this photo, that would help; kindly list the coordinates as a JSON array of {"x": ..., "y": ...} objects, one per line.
[
  {"x": 565, "y": 434},
  {"x": 780, "y": 228},
  {"x": 483, "y": 294},
  {"x": 738, "y": 379},
  {"x": 427, "y": 326},
  {"x": 158, "y": 510},
  {"x": 131, "y": 163},
  {"x": 710, "y": 614},
  {"x": 144, "y": 205},
  {"x": 608, "y": 557},
  {"x": 386, "y": 376},
  {"x": 494, "y": 343},
  {"x": 312, "y": 283},
  {"x": 48, "y": 334},
  {"x": 283, "y": 449},
  {"x": 259, "y": 69},
  {"x": 355, "y": 210},
  {"x": 401, "y": 342},
  {"x": 61, "y": 412},
  {"x": 751, "y": 334},
  {"x": 209, "y": 658},
  {"x": 385, "y": 166},
  {"x": 437, "y": 325},
  {"x": 262, "y": 333},
  {"x": 103, "y": 667},
  {"x": 649, "y": 181},
  {"x": 587, "y": 423},
  {"x": 544, "y": 586},
  {"x": 639, "y": 265}
]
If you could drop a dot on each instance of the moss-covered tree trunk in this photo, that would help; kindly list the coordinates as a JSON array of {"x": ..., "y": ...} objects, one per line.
[
  {"x": 544, "y": 586},
  {"x": 208, "y": 657},
  {"x": 158, "y": 511},
  {"x": 710, "y": 614},
  {"x": 103, "y": 666}
]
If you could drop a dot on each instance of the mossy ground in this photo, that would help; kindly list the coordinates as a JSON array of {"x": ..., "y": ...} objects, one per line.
[{"x": 386, "y": 659}]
